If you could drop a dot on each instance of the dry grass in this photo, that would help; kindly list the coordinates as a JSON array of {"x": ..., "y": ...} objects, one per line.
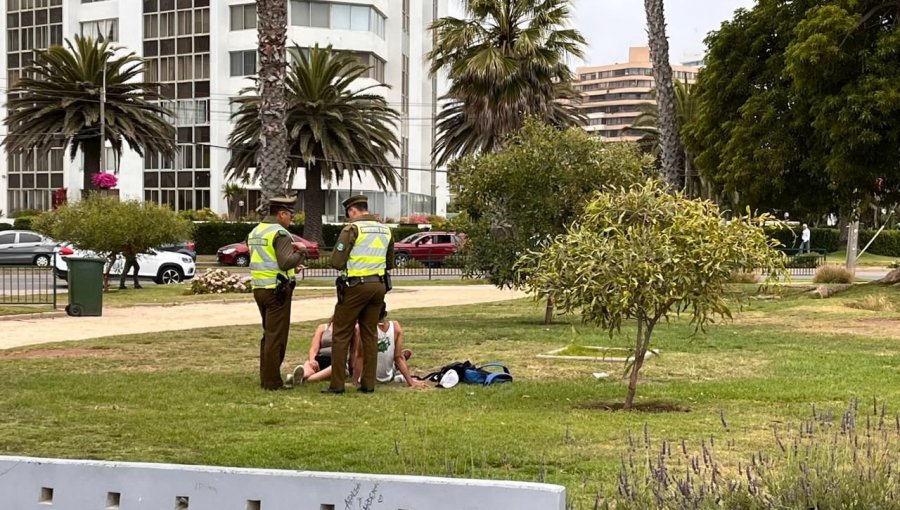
[{"x": 832, "y": 274}]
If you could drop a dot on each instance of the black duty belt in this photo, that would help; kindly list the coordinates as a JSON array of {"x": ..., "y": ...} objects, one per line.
[{"x": 356, "y": 280}]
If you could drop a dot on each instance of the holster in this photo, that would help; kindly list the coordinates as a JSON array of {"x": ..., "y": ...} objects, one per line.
[
  {"x": 283, "y": 289},
  {"x": 388, "y": 284},
  {"x": 341, "y": 285}
]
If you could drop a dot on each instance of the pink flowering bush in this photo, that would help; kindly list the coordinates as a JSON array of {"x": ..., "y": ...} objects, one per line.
[
  {"x": 220, "y": 281},
  {"x": 104, "y": 180}
]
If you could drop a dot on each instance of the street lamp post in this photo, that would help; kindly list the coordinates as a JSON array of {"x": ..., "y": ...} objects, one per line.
[{"x": 103, "y": 117}]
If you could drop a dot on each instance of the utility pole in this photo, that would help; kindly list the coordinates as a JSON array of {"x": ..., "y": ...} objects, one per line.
[{"x": 177, "y": 153}]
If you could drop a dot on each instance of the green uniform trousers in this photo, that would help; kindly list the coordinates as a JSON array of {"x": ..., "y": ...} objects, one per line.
[
  {"x": 362, "y": 303},
  {"x": 276, "y": 322}
]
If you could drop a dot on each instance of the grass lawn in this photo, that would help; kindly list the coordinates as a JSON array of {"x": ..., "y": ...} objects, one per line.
[
  {"x": 192, "y": 397},
  {"x": 867, "y": 259},
  {"x": 154, "y": 295}
]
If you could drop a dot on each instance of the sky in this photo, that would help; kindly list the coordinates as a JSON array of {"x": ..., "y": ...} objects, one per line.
[{"x": 611, "y": 26}]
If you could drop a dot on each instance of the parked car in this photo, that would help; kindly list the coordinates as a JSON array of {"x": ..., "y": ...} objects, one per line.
[
  {"x": 25, "y": 247},
  {"x": 430, "y": 248},
  {"x": 184, "y": 248},
  {"x": 238, "y": 254},
  {"x": 162, "y": 267}
]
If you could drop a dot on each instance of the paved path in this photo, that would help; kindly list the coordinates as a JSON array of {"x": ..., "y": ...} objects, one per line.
[{"x": 150, "y": 319}]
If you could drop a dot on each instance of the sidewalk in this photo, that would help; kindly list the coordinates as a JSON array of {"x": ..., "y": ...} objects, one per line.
[{"x": 150, "y": 319}]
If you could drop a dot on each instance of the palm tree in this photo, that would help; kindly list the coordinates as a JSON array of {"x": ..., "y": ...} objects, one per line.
[
  {"x": 233, "y": 192},
  {"x": 647, "y": 126},
  {"x": 58, "y": 97},
  {"x": 272, "y": 162},
  {"x": 334, "y": 129},
  {"x": 506, "y": 61},
  {"x": 670, "y": 141}
]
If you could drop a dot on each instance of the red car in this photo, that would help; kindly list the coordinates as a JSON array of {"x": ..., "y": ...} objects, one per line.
[
  {"x": 430, "y": 248},
  {"x": 238, "y": 254}
]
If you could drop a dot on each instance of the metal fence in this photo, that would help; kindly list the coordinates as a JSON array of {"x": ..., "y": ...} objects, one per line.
[
  {"x": 29, "y": 284},
  {"x": 804, "y": 264},
  {"x": 420, "y": 264}
]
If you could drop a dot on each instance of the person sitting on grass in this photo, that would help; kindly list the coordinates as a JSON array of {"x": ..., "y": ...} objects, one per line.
[
  {"x": 392, "y": 357},
  {"x": 318, "y": 367}
]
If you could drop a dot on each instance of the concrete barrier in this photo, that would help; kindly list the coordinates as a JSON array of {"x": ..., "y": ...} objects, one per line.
[{"x": 28, "y": 483}]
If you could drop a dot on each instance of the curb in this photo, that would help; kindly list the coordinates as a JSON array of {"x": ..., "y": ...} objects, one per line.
[{"x": 29, "y": 316}]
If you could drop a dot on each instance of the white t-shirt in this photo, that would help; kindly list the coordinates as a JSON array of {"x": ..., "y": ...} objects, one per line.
[
  {"x": 386, "y": 370},
  {"x": 805, "y": 235}
]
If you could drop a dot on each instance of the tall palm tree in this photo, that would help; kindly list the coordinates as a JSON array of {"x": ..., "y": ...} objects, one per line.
[
  {"x": 334, "y": 128},
  {"x": 272, "y": 34},
  {"x": 670, "y": 140},
  {"x": 647, "y": 126},
  {"x": 506, "y": 61},
  {"x": 58, "y": 97}
]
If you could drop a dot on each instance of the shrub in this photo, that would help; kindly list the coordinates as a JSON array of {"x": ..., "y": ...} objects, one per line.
[
  {"x": 804, "y": 260},
  {"x": 6, "y": 226},
  {"x": 220, "y": 281},
  {"x": 742, "y": 277},
  {"x": 887, "y": 243},
  {"x": 23, "y": 222},
  {"x": 205, "y": 214},
  {"x": 25, "y": 212},
  {"x": 832, "y": 274},
  {"x": 209, "y": 237}
]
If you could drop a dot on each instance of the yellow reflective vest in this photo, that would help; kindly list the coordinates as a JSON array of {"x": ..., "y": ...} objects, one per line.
[
  {"x": 264, "y": 269},
  {"x": 369, "y": 253}
]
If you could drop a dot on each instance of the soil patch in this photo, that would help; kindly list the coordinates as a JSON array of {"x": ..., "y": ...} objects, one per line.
[
  {"x": 642, "y": 407},
  {"x": 57, "y": 354}
]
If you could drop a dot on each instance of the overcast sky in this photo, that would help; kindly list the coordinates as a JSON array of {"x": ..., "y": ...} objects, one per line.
[{"x": 611, "y": 26}]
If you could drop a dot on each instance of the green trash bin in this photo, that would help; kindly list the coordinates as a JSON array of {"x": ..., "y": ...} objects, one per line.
[{"x": 85, "y": 286}]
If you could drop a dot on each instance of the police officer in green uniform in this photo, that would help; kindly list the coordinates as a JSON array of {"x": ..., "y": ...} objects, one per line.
[
  {"x": 273, "y": 259},
  {"x": 363, "y": 253}
]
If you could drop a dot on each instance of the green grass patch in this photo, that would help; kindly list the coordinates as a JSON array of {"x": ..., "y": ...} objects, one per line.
[
  {"x": 867, "y": 259},
  {"x": 192, "y": 396}
]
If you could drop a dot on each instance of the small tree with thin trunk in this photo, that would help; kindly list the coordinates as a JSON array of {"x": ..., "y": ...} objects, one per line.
[{"x": 643, "y": 254}]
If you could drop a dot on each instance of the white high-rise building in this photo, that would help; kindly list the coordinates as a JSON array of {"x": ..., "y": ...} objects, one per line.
[{"x": 202, "y": 52}]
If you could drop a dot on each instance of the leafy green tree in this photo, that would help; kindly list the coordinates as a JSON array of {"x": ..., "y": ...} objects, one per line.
[
  {"x": 643, "y": 254},
  {"x": 60, "y": 93},
  {"x": 107, "y": 226},
  {"x": 506, "y": 61},
  {"x": 272, "y": 164},
  {"x": 518, "y": 198},
  {"x": 799, "y": 106},
  {"x": 671, "y": 151},
  {"x": 335, "y": 128}
]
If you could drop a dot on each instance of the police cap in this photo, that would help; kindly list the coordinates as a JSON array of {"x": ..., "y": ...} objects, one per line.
[
  {"x": 354, "y": 200},
  {"x": 277, "y": 203}
]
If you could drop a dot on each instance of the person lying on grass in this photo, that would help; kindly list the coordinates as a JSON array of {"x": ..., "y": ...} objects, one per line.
[{"x": 392, "y": 357}]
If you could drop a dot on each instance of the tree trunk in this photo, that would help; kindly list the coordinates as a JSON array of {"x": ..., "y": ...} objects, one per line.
[
  {"x": 690, "y": 190},
  {"x": 852, "y": 246},
  {"x": 91, "y": 151},
  {"x": 843, "y": 230},
  {"x": 641, "y": 344},
  {"x": 669, "y": 140},
  {"x": 314, "y": 202},
  {"x": 548, "y": 313},
  {"x": 272, "y": 164}
]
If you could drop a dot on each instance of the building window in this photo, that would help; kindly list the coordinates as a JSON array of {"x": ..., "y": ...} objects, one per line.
[
  {"x": 362, "y": 18},
  {"x": 404, "y": 89},
  {"x": 243, "y": 17},
  {"x": 243, "y": 63},
  {"x": 104, "y": 29}
]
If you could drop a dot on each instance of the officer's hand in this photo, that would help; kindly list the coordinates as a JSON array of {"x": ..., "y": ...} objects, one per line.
[
  {"x": 298, "y": 246},
  {"x": 416, "y": 384}
]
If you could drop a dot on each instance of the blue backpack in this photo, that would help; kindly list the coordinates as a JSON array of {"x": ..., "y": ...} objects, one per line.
[{"x": 489, "y": 373}]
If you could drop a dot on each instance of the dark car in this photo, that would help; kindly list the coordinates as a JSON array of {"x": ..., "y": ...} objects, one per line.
[
  {"x": 184, "y": 248},
  {"x": 25, "y": 247},
  {"x": 430, "y": 248},
  {"x": 238, "y": 254}
]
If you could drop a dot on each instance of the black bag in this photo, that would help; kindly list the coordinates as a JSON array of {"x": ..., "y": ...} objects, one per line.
[{"x": 459, "y": 366}]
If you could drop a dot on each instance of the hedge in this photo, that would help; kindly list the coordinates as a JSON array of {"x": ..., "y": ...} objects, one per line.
[
  {"x": 23, "y": 222},
  {"x": 887, "y": 243},
  {"x": 6, "y": 226},
  {"x": 209, "y": 237},
  {"x": 820, "y": 238}
]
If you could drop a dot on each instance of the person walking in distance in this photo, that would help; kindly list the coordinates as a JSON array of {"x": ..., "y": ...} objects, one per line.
[
  {"x": 131, "y": 262},
  {"x": 805, "y": 237},
  {"x": 273, "y": 259},
  {"x": 364, "y": 253}
]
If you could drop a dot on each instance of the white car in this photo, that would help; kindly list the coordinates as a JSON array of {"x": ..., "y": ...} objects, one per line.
[{"x": 160, "y": 266}]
